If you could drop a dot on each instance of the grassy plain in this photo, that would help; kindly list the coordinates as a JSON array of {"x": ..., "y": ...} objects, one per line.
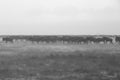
[{"x": 26, "y": 61}]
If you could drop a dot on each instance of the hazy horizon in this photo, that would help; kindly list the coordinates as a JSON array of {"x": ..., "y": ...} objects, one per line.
[{"x": 60, "y": 17}]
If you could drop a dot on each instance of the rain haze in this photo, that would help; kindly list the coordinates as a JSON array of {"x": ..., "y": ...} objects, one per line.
[{"x": 59, "y": 17}]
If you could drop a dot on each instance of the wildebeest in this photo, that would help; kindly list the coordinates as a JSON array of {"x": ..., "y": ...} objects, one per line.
[
  {"x": 117, "y": 39},
  {"x": 64, "y": 39},
  {"x": 99, "y": 39},
  {"x": 107, "y": 39},
  {"x": 7, "y": 39}
]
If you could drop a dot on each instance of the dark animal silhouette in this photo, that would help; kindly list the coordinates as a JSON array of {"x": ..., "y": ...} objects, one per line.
[
  {"x": 7, "y": 39},
  {"x": 117, "y": 39}
]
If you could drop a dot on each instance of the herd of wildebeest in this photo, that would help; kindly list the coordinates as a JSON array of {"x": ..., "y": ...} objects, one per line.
[{"x": 65, "y": 39}]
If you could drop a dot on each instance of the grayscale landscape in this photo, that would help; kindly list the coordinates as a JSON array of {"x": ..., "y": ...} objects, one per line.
[
  {"x": 59, "y": 58},
  {"x": 59, "y": 39}
]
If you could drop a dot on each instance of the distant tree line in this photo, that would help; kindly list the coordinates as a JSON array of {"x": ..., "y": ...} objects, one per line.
[{"x": 68, "y": 39}]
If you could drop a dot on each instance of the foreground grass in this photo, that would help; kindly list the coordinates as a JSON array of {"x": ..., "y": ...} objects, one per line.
[{"x": 81, "y": 66}]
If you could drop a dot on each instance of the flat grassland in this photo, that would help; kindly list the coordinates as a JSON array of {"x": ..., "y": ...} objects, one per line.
[{"x": 28, "y": 61}]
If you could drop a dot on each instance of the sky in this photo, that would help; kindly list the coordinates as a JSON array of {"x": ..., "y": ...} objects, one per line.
[{"x": 59, "y": 17}]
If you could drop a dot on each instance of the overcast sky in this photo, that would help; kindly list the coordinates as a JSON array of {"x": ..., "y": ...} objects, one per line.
[{"x": 59, "y": 17}]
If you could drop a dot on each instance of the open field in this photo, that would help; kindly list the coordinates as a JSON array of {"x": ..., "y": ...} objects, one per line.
[{"x": 26, "y": 61}]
